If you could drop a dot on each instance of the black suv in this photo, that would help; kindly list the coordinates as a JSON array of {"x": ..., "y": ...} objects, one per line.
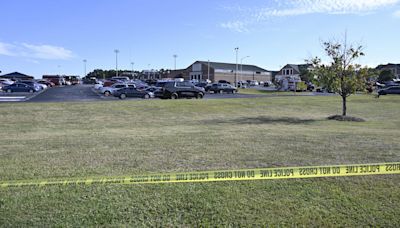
[{"x": 175, "y": 90}]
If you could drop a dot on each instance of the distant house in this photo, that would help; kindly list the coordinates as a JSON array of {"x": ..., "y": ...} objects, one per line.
[
  {"x": 394, "y": 68},
  {"x": 215, "y": 71},
  {"x": 17, "y": 76},
  {"x": 291, "y": 74},
  {"x": 293, "y": 71}
]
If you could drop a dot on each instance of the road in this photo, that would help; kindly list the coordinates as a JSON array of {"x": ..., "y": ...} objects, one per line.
[{"x": 67, "y": 94}]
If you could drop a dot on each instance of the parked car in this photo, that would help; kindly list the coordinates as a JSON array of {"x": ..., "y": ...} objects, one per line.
[
  {"x": 224, "y": 81},
  {"x": 201, "y": 84},
  {"x": 389, "y": 90},
  {"x": 267, "y": 83},
  {"x": 33, "y": 84},
  {"x": 175, "y": 90},
  {"x": 133, "y": 92},
  {"x": 111, "y": 82},
  {"x": 242, "y": 84},
  {"x": 253, "y": 83},
  {"x": 122, "y": 79},
  {"x": 20, "y": 87},
  {"x": 108, "y": 90},
  {"x": 6, "y": 81},
  {"x": 98, "y": 85},
  {"x": 45, "y": 82},
  {"x": 56, "y": 79},
  {"x": 222, "y": 88}
]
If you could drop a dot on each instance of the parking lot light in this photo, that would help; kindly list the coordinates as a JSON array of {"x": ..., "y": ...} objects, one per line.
[
  {"x": 241, "y": 67},
  {"x": 116, "y": 61}
]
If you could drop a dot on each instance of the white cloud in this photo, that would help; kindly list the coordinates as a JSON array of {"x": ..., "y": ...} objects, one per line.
[
  {"x": 35, "y": 51},
  {"x": 290, "y": 8},
  {"x": 6, "y": 49},
  {"x": 237, "y": 26},
  {"x": 301, "y": 7},
  {"x": 47, "y": 51}
]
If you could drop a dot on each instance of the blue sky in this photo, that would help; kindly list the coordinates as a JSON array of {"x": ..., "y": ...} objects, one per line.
[{"x": 48, "y": 37}]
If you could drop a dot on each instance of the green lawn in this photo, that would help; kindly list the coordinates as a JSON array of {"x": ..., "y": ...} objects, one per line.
[{"x": 131, "y": 137}]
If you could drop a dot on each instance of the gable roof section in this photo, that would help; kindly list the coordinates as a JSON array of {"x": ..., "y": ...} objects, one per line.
[
  {"x": 298, "y": 67},
  {"x": 232, "y": 66},
  {"x": 389, "y": 65},
  {"x": 16, "y": 75}
]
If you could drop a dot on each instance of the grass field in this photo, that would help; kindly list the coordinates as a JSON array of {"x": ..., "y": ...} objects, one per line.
[{"x": 131, "y": 137}]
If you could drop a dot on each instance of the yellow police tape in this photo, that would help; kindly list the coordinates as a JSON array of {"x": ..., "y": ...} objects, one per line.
[{"x": 224, "y": 175}]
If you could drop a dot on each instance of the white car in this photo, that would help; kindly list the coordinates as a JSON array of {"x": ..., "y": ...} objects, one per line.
[
  {"x": 254, "y": 83},
  {"x": 6, "y": 81},
  {"x": 98, "y": 85},
  {"x": 44, "y": 86}
]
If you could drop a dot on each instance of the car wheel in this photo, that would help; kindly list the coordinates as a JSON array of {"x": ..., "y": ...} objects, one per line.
[
  {"x": 9, "y": 91},
  {"x": 122, "y": 96},
  {"x": 31, "y": 91},
  {"x": 199, "y": 96},
  {"x": 107, "y": 93},
  {"x": 233, "y": 91},
  {"x": 146, "y": 96},
  {"x": 174, "y": 96},
  {"x": 221, "y": 91}
]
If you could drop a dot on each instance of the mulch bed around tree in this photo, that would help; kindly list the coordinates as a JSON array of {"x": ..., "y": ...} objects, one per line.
[{"x": 345, "y": 118}]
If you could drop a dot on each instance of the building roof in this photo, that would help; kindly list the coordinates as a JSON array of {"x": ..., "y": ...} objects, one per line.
[
  {"x": 389, "y": 65},
  {"x": 16, "y": 75},
  {"x": 232, "y": 66},
  {"x": 298, "y": 67}
]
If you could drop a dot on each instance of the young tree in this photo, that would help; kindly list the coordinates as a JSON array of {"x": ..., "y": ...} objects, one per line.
[{"x": 341, "y": 75}]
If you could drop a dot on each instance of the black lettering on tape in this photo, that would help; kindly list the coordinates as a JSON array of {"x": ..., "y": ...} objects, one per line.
[
  {"x": 392, "y": 167},
  {"x": 351, "y": 169},
  {"x": 283, "y": 172},
  {"x": 266, "y": 173},
  {"x": 369, "y": 168}
]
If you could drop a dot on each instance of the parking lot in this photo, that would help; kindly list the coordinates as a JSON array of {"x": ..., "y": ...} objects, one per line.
[{"x": 86, "y": 93}]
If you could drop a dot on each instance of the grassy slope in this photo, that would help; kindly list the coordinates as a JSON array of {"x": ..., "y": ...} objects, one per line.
[{"x": 120, "y": 138}]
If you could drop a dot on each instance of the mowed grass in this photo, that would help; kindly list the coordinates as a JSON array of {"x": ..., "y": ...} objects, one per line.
[{"x": 53, "y": 140}]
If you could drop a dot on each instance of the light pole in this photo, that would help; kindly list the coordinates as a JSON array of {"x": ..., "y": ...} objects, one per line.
[
  {"x": 175, "y": 56},
  {"x": 241, "y": 67},
  {"x": 132, "y": 63},
  {"x": 116, "y": 61},
  {"x": 84, "y": 67},
  {"x": 237, "y": 52},
  {"x": 208, "y": 71},
  {"x": 148, "y": 71}
]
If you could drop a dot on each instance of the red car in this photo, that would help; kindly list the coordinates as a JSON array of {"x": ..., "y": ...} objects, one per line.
[
  {"x": 110, "y": 82},
  {"x": 48, "y": 83}
]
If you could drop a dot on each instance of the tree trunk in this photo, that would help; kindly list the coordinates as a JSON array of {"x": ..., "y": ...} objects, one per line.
[{"x": 344, "y": 108}]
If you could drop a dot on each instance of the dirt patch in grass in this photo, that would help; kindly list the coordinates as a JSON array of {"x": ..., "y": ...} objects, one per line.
[{"x": 345, "y": 118}]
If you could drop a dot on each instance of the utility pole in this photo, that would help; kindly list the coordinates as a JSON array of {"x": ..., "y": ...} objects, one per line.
[
  {"x": 208, "y": 72},
  {"x": 175, "y": 56},
  {"x": 84, "y": 67},
  {"x": 116, "y": 61},
  {"x": 241, "y": 67},
  {"x": 132, "y": 63},
  {"x": 237, "y": 52}
]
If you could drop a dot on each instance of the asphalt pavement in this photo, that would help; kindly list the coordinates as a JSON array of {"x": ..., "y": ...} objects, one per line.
[
  {"x": 86, "y": 93},
  {"x": 76, "y": 93}
]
